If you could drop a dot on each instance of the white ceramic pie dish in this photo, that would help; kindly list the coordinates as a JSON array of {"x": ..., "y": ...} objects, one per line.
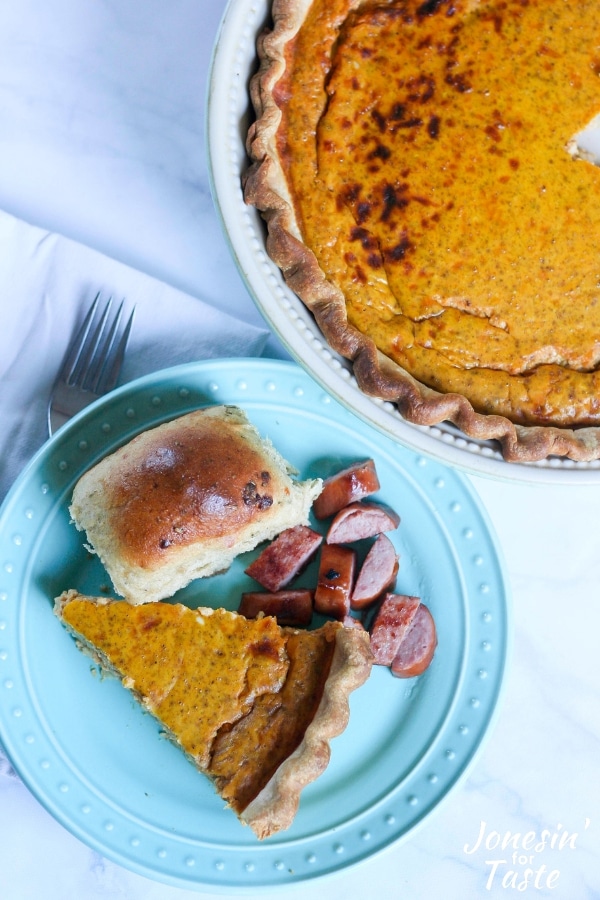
[{"x": 228, "y": 114}]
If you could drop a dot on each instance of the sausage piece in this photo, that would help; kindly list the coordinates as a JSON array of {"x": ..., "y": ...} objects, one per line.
[
  {"x": 335, "y": 582},
  {"x": 351, "y": 622},
  {"x": 357, "y": 481},
  {"x": 285, "y": 557},
  {"x": 390, "y": 626},
  {"x": 293, "y": 607},
  {"x": 361, "y": 520},
  {"x": 416, "y": 650},
  {"x": 376, "y": 574}
]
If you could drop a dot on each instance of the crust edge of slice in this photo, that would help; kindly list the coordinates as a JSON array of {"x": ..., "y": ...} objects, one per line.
[{"x": 275, "y": 807}]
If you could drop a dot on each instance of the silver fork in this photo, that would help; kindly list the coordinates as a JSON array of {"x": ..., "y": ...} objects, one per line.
[{"x": 92, "y": 364}]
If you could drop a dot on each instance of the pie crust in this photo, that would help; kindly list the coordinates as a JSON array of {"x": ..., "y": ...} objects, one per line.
[
  {"x": 253, "y": 705},
  {"x": 416, "y": 166}
]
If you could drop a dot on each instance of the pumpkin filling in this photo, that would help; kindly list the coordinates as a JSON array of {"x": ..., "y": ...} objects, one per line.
[
  {"x": 245, "y": 755},
  {"x": 237, "y": 695},
  {"x": 428, "y": 148}
]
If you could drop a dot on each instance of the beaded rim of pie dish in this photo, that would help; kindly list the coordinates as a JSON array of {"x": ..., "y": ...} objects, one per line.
[{"x": 376, "y": 375}]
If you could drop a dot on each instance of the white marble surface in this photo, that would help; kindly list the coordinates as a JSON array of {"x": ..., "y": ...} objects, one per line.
[{"x": 101, "y": 139}]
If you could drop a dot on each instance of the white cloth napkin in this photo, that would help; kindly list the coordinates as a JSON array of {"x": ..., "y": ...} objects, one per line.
[{"x": 47, "y": 283}]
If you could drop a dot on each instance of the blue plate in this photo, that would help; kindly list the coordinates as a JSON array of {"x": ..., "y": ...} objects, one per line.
[{"x": 101, "y": 766}]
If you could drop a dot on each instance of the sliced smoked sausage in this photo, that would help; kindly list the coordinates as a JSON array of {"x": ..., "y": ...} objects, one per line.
[
  {"x": 351, "y": 622},
  {"x": 418, "y": 646},
  {"x": 292, "y": 607},
  {"x": 285, "y": 557},
  {"x": 353, "y": 483},
  {"x": 361, "y": 520},
  {"x": 376, "y": 574},
  {"x": 335, "y": 581},
  {"x": 390, "y": 625}
]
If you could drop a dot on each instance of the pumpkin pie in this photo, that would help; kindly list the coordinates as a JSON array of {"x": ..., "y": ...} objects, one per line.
[
  {"x": 417, "y": 164},
  {"x": 252, "y": 704}
]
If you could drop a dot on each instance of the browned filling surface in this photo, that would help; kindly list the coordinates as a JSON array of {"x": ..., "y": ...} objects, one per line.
[{"x": 425, "y": 145}]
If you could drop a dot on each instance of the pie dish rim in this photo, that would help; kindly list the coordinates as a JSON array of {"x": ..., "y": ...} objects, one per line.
[{"x": 376, "y": 375}]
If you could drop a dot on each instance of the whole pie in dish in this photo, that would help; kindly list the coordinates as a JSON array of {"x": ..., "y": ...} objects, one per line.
[
  {"x": 253, "y": 705},
  {"x": 418, "y": 168}
]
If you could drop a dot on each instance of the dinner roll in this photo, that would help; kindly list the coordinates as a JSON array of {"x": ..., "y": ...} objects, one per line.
[{"x": 182, "y": 500}]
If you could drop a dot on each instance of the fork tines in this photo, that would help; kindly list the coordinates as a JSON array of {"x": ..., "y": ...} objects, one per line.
[
  {"x": 96, "y": 356},
  {"x": 92, "y": 364}
]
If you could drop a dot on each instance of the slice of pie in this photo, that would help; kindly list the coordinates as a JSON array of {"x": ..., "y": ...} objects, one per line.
[
  {"x": 252, "y": 705},
  {"x": 417, "y": 165}
]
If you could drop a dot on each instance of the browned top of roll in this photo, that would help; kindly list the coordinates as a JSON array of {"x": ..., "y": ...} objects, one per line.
[{"x": 195, "y": 482}]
